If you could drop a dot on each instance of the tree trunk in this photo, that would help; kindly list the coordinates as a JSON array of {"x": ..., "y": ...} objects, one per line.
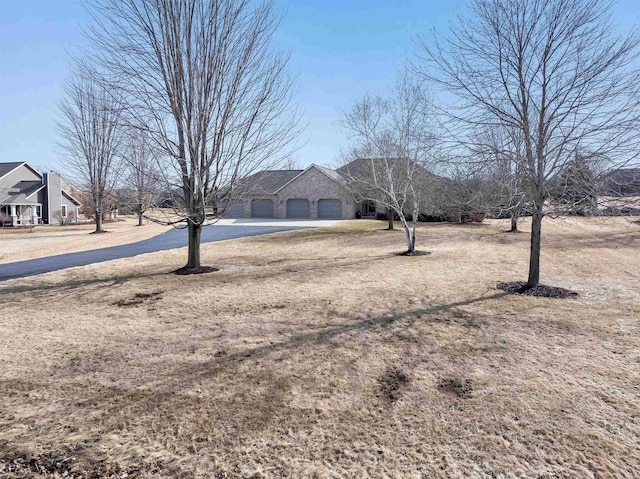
[
  {"x": 534, "y": 255},
  {"x": 193, "y": 260},
  {"x": 410, "y": 238},
  {"x": 99, "y": 222},
  {"x": 140, "y": 216},
  {"x": 390, "y": 218},
  {"x": 514, "y": 224}
]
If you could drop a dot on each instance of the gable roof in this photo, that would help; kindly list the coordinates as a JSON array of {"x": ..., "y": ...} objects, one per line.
[
  {"x": 266, "y": 182},
  {"x": 327, "y": 171},
  {"x": 6, "y": 168}
]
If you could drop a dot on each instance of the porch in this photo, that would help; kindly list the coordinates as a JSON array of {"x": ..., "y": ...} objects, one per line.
[{"x": 14, "y": 215}]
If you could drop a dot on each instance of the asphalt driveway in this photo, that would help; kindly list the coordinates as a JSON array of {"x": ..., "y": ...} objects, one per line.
[{"x": 176, "y": 238}]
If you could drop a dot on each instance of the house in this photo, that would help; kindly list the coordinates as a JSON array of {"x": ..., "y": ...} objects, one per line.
[
  {"x": 28, "y": 197},
  {"x": 314, "y": 193}
]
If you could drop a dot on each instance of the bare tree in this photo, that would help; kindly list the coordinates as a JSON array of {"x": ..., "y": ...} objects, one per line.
[
  {"x": 89, "y": 131},
  {"x": 553, "y": 70},
  {"x": 205, "y": 83},
  {"x": 142, "y": 176},
  {"x": 392, "y": 146},
  {"x": 508, "y": 194}
]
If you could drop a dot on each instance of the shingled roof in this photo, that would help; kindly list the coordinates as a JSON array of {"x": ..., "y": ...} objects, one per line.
[
  {"x": 266, "y": 182},
  {"x": 8, "y": 167}
]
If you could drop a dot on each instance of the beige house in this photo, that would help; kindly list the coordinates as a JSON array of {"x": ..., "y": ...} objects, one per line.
[
  {"x": 28, "y": 197},
  {"x": 314, "y": 193}
]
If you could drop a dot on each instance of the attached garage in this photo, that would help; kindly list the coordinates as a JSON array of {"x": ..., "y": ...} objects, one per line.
[
  {"x": 234, "y": 210},
  {"x": 262, "y": 208},
  {"x": 330, "y": 209},
  {"x": 298, "y": 208}
]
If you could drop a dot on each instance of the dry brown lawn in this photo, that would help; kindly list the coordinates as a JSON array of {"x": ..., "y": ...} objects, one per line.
[
  {"x": 19, "y": 244},
  {"x": 321, "y": 354}
]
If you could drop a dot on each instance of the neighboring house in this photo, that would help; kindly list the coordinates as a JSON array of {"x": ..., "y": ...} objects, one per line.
[{"x": 28, "y": 197}]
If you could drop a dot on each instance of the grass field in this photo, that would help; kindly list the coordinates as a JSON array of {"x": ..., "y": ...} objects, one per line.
[{"x": 321, "y": 354}]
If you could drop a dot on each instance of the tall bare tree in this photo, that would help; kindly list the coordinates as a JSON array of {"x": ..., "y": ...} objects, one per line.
[
  {"x": 207, "y": 86},
  {"x": 392, "y": 146},
  {"x": 90, "y": 135},
  {"x": 556, "y": 71},
  {"x": 141, "y": 173}
]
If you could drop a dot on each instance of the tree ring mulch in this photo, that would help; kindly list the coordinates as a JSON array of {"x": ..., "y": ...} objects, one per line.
[
  {"x": 541, "y": 291},
  {"x": 184, "y": 271},
  {"x": 414, "y": 253}
]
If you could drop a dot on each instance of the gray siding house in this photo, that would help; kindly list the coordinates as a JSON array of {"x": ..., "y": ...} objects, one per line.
[{"x": 28, "y": 197}]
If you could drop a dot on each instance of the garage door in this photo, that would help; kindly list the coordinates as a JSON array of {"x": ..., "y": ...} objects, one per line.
[
  {"x": 235, "y": 210},
  {"x": 330, "y": 209},
  {"x": 298, "y": 209},
  {"x": 262, "y": 209}
]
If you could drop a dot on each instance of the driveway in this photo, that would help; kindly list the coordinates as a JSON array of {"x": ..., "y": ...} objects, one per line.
[{"x": 176, "y": 238}]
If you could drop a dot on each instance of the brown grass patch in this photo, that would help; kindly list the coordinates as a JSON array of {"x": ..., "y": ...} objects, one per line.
[
  {"x": 138, "y": 299},
  {"x": 278, "y": 364},
  {"x": 390, "y": 384},
  {"x": 462, "y": 388}
]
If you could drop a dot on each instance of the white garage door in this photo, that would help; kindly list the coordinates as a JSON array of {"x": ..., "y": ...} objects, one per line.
[
  {"x": 298, "y": 208},
  {"x": 330, "y": 209}
]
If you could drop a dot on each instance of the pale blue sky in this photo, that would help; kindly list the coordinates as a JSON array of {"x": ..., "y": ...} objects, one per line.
[{"x": 340, "y": 49}]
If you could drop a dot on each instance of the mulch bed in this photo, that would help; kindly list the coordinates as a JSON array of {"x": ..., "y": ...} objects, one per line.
[
  {"x": 184, "y": 271},
  {"x": 542, "y": 291},
  {"x": 414, "y": 253}
]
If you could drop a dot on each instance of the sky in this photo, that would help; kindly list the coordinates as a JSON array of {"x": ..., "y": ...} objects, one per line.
[{"x": 340, "y": 50}]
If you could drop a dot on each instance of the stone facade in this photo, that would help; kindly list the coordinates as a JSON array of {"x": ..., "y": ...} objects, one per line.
[{"x": 315, "y": 185}]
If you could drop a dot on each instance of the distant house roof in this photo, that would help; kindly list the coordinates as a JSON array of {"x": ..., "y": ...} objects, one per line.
[
  {"x": 6, "y": 168},
  {"x": 266, "y": 182}
]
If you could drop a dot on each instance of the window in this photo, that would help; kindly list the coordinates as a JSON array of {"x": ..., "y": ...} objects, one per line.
[
  {"x": 64, "y": 211},
  {"x": 39, "y": 211},
  {"x": 370, "y": 208}
]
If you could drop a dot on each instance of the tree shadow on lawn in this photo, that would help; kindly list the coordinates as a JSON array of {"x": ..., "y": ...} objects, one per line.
[
  {"x": 69, "y": 285},
  {"x": 245, "y": 398},
  {"x": 264, "y": 269}
]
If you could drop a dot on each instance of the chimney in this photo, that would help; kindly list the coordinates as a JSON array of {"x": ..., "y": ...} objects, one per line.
[{"x": 53, "y": 184}]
